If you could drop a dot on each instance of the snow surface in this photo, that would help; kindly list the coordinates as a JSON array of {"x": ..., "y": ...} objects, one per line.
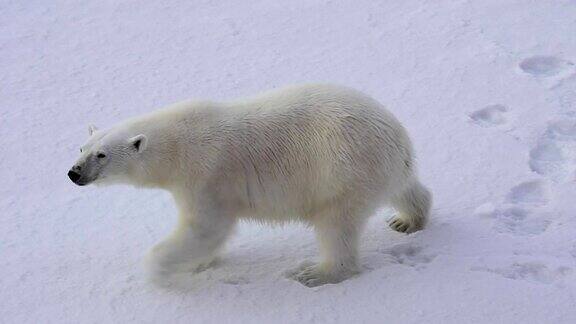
[{"x": 487, "y": 90}]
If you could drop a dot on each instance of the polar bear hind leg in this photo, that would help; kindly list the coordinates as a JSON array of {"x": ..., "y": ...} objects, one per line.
[
  {"x": 338, "y": 228},
  {"x": 413, "y": 207}
]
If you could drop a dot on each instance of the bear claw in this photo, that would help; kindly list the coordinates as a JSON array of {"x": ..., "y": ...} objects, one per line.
[{"x": 400, "y": 225}]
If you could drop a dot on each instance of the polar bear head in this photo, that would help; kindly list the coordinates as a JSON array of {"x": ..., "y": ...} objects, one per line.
[{"x": 114, "y": 156}]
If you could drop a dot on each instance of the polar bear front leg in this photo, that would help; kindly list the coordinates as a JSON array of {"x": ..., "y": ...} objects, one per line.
[{"x": 194, "y": 245}]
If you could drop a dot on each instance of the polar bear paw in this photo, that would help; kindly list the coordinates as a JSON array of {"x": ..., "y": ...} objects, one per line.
[
  {"x": 170, "y": 275},
  {"x": 312, "y": 275},
  {"x": 163, "y": 263}
]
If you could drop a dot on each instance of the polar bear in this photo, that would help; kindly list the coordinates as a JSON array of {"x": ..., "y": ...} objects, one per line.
[{"x": 325, "y": 155}]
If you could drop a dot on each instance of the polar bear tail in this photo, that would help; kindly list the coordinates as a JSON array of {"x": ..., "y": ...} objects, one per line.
[{"x": 413, "y": 205}]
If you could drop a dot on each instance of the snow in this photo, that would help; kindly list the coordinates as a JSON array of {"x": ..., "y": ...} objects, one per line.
[{"x": 487, "y": 90}]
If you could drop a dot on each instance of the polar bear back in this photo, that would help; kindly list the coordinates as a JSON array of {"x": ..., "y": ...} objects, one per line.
[
  {"x": 284, "y": 152},
  {"x": 301, "y": 146}
]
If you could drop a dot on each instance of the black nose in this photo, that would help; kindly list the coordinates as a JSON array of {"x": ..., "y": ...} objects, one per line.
[{"x": 73, "y": 175}]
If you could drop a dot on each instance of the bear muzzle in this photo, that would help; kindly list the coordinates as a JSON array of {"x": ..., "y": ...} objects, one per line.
[{"x": 74, "y": 176}]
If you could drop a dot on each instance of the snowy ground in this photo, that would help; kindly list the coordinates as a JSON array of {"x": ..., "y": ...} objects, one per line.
[{"x": 486, "y": 88}]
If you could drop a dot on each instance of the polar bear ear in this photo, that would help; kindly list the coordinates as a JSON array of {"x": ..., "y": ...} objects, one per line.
[
  {"x": 91, "y": 129},
  {"x": 139, "y": 142}
]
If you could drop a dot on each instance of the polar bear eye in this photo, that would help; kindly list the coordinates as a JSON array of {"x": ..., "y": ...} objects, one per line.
[
  {"x": 80, "y": 150},
  {"x": 101, "y": 155}
]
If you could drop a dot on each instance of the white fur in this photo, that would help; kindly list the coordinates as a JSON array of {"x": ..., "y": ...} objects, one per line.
[{"x": 321, "y": 154}]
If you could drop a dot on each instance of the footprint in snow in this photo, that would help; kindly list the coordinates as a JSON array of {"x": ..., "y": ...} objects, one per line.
[
  {"x": 530, "y": 271},
  {"x": 554, "y": 154},
  {"x": 514, "y": 220},
  {"x": 489, "y": 116},
  {"x": 545, "y": 66},
  {"x": 562, "y": 130},
  {"x": 519, "y": 222},
  {"x": 409, "y": 255},
  {"x": 548, "y": 159},
  {"x": 534, "y": 192}
]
